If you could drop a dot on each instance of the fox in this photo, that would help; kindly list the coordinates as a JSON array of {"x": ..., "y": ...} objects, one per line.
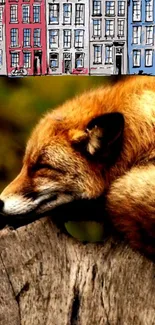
[{"x": 100, "y": 143}]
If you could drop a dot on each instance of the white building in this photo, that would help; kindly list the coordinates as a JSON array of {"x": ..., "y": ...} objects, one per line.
[
  {"x": 2, "y": 39},
  {"x": 108, "y": 37},
  {"x": 67, "y": 36}
]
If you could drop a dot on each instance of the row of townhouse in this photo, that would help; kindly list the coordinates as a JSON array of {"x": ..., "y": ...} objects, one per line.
[{"x": 97, "y": 37}]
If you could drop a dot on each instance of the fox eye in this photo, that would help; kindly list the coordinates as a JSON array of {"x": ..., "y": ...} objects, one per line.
[{"x": 40, "y": 166}]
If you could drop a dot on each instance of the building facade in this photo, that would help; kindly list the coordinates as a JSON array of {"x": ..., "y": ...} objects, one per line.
[
  {"x": 25, "y": 37},
  {"x": 2, "y": 39},
  {"x": 108, "y": 37},
  {"x": 141, "y": 37},
  {"x": 67, "y": 36}
]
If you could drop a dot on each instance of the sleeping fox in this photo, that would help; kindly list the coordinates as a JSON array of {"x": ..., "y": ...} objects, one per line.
[{"x": 101, "y": 143}]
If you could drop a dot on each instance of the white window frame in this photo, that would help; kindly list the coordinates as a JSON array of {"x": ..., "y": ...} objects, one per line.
[
  {"x": 110, "y": 10},
  {"x": 38, "y": 13},
  {"x": 67, "y": 14},
  {"x": 27, "y": 19},
  {"x": 56, "y": 60},
  {"x": 79, "y": 38},
  {"x": 136, "y": 58},
  {"x": 149, "y": 35},
  {"x": 53, "y": 39},
  {"x": 13, "y": 14},
  {"x": 67, "y": 38},
  {"x": 97, "y": 8},
  {"x": 136, "y": 35},
  {"x": 27, "y": 39},
  {"x": 109, "y": 58},
  {"x": 98, "y": 53},
  {"x": 79, "y": 14},
  {"x": 149, "y": 10},
  {"x": 121, "y": 27},
  {"x": 15, "y": 65},
  {"x": 137, "y": 10},
  {"x": 121, "y": 8},
  {"x": 79, "y": 57},
  {"x": 37, "y": 40},
  {"x": 110, "y": 31},
  {"x": 1, "y": 58},
  {"x": 15, "y": 36},
  {"x": 97, "y": 27},
  {"x": 149, "y": 58},
  {"x": 54, "y": 8},
  {"x": 27, "y": 63},
  {"x": 1, "y": 33},
  {"x": 1, "y": 13}
]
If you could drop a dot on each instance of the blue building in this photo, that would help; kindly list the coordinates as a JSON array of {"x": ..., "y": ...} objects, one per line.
[{"x": 141, "y": 37}]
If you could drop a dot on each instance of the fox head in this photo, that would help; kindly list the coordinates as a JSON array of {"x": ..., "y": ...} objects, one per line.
[{"x": 66, "y": 158}]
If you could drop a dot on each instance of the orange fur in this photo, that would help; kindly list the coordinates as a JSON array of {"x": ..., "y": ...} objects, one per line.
[{"x": 80, "y": 151}]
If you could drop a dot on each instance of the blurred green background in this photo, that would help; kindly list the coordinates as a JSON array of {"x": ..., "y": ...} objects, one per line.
[{"x": 22, "y": 102}]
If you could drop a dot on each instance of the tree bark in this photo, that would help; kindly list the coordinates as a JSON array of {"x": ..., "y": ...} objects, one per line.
[{"x": 48, "y": 278}]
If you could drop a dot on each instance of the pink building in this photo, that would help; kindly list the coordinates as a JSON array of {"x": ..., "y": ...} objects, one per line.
[{"x": 25, "y": 37}]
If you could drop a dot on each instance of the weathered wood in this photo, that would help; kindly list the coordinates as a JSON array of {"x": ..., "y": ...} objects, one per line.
[{"x": 48, "y": 278}]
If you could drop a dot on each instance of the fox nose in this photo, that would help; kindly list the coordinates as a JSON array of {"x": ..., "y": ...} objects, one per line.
[{"x": 1, "y": 205}]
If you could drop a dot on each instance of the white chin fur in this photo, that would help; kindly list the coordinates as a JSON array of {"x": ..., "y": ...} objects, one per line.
[
  {"x": 17, "y": 204},
  {"x": 62, "y": 199}
]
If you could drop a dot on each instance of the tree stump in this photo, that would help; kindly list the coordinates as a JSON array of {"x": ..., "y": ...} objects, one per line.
[{"x": 49, "y": 278}]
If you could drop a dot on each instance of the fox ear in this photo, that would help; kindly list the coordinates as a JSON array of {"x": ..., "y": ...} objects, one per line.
[
  {"x": 105, "y": 132},
  {"x": 102, "y": 137}
]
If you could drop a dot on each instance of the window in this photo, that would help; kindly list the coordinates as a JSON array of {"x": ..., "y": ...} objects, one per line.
[
  {"x": 79, "y": 41},
  {"x": 136, "y": 10},
  {"x": 97, "y": 8},
  {"x": 1, "y": 58},
  {"x": 14, "y": 37},
  {"x": 98, "y": 54},
  {"x": 109, "y": 27},
  {"x": 14, "y": 59},
  {"x": 67, "y": 39},
  {"x": 121, "y": 27},
  {"x": 53, "y": 39},
  {"x": 1, "y": 33},
  {"x": 121, "y": 8},
  {"x": 37, "y": 37},
  {"x": 54, "y": 13},
  {"x": 149, "y": 10},
  {"x": 108, "y": 54},
  {"x": 67, "y": 13},
  {"x": 27, "y": 60},
  {"x": 1, "y": 13},
  {"x": 79, "y": 14},
  {"x": 79, "y": 60},
  {"x": 36, "y": 13},
  {"x": 27, "y": 37},
  {"x": 53, "y": 60},
  {"x": 26, "y": 14},
  {"x": 13, "y": 13},
  {"x": 148, "y": 58},
  {"x": 136, "y": 58},
  {"x": 136, "y": 35},
  {"x": 97, "y": 27},
  {"x": 110, "y": 8},
  {"x": 149, "y": 35}
]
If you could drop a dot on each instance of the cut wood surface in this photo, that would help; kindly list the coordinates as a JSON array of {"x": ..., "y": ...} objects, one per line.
[{"x": 49, "y": 278}]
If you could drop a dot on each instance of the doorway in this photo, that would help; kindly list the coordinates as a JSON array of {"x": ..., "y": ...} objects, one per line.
[
  {"x": 37, "y": 62},
  {"x": 119, "y": 64},
  {"x": 67, "y": 66}
]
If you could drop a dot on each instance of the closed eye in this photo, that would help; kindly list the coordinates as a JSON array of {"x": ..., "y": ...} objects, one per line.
[{"x": 40, "y": 166}]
